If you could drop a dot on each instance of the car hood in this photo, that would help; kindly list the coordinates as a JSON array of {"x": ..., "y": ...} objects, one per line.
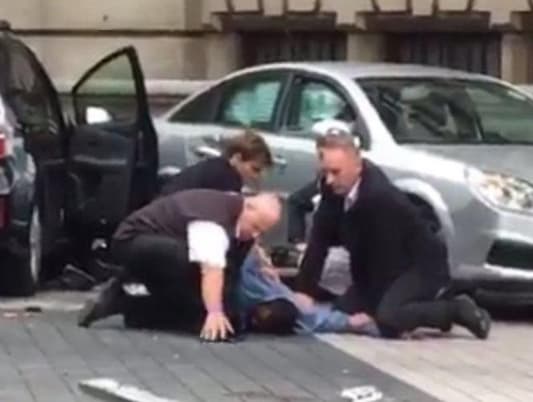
[{"x": 515, "y": 160}]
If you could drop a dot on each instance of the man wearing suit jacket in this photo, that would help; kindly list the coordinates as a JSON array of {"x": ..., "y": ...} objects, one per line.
[{"x": 398, "y": 265}]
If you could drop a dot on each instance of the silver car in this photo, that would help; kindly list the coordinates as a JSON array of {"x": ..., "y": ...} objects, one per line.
[{"x": 459, "y": 144}]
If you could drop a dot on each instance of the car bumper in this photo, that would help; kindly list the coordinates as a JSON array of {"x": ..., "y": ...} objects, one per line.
[
  {"x": 498, "y": 256},
  {"x": 505, "y": 293}
]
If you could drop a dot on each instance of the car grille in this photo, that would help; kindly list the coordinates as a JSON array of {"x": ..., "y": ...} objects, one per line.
[{"x": 512, "y": 255}]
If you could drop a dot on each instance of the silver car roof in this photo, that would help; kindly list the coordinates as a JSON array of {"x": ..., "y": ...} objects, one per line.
[
  {"x": 354, "y": 70},
  {"x": 349, "y": 70}
]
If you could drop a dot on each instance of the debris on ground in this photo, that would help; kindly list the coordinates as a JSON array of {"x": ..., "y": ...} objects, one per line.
[
  {"x": 366, "y": 393},
  {"x": 108, "y": 389}
]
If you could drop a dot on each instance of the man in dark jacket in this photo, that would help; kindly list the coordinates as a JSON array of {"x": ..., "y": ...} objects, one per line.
[
  {"x": 187, "y": 248},
  {"x": 244, "y": 158},
  {"x": 397, "y": 264}
]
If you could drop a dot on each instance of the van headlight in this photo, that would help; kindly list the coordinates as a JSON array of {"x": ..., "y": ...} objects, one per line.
[{"x": 502, "y": 191}]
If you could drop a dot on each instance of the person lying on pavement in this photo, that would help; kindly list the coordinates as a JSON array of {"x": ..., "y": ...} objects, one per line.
[{"x": 270, "y": 306}]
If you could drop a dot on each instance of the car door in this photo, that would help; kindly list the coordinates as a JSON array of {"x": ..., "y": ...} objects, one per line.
[
  {"x": 254, "y": 100},
  {"x": 39, "y": 156},
  {"x": 312, "y": 98},
  {"x": 112, "y": 147},
  {"x": 198, "y": 128}
]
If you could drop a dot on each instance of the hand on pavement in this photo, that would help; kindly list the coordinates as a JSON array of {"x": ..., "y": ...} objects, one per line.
[{"x": 216, "y": 327}]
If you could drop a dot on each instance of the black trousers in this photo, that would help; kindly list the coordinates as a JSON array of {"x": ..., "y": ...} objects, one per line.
[
  {"x": 410, "y": 302},
  {"x": 161, "y": 264}
]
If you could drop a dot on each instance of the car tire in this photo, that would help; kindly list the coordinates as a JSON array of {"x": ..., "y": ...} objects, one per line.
[
  {"x": 25, "y": 265},
  {"x": 21, "y": 274},
  {"x": 427, "y": 213}
]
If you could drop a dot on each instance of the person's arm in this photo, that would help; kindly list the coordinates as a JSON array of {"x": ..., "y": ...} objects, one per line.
[
  {"x": 266, "y": 267},
  {"x": 208, "y": 245},
  {"x": 299, "y": 204},
  {"x": 322, "y": 237},
  {"x": 212, "y": 288}
]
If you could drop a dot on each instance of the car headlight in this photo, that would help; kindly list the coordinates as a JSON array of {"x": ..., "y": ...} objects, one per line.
[{"x": 502, "y": 191}]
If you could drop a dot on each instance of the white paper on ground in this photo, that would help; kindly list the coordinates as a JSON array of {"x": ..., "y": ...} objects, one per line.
[
  {"x": 110, "y": 389},
  {"x": 367, "y": 393}
]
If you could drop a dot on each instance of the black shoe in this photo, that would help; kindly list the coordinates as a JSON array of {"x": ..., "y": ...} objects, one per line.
[
  {"x": 108, "y": 303},
  {"x": 476, "y": 319}
]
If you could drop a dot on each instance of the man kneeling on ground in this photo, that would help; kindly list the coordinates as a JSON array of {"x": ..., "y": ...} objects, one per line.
[{"x": 186, "y": 248}]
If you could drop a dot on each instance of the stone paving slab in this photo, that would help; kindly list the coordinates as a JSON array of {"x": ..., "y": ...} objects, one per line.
[
  {"x": 44, "y": 356},
  {"x": 456, "y": 368}
]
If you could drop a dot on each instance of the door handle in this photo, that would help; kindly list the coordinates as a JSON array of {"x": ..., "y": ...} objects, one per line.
[
  {"x": 207, "y": 151},
  {"x": 280, "y": 161},
  {"x": 215, "y": 139}
]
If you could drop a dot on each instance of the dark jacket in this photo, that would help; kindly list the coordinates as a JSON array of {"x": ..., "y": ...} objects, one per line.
[
  {"x": 212, "y": 173},
  {"x": 384, "y": 234},
  {"x": 170, "y": 215}
]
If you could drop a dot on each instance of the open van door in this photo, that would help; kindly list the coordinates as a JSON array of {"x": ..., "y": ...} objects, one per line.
[{"x": 112, "y": 155}]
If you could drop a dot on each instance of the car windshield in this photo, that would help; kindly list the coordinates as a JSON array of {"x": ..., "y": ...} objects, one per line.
[{"x": 451, "y": 111}]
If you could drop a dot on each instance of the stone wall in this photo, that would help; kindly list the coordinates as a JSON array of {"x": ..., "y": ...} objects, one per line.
[{"x": 198, "y": 39}]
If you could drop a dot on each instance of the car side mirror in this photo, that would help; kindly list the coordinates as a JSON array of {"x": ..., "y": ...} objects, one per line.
[{"x": 95, "y": 114}]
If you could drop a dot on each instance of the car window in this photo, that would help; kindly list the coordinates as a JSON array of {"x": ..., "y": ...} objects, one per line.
[
  {"x": 26, "y": 90},
  {"x": 443, "y": 110},
  {"x": 503, "y": 113},
  {"x": 314, "y": 101},
  {"x": 251, "y": 102},
  {"x": 196, "y": 111},
  {"x": 108, "y": 94}
]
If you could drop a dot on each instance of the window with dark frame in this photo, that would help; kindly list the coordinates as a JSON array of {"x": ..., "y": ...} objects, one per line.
[
  {"x": 315, "y": 101},
  {"x": 251, "y": 101},
  {"x": 268, "y": 47},
  {"x": 473, "y": 52}
]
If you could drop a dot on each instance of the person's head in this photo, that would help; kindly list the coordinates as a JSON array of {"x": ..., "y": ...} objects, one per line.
[
  {"x": 339, "y": 155},
  {"x": 273, "y": 317},
  {"x": 259, "y": 214},
  {"x": 249, "y": 154}
]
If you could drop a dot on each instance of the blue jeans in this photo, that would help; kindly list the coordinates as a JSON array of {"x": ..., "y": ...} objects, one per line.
[{"x": 255, "y": 288}]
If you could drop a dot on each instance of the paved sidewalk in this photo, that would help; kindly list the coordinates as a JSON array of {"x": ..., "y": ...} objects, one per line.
[
  {"x": 43, "y": 356},
  {"x": 457, "y": 368}
]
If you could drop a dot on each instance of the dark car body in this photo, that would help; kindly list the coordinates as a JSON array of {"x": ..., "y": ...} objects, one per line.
[{"x": 64, "y": 180}]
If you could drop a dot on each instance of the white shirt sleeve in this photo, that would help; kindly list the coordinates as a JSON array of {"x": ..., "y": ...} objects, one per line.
[{"x": 208, "y": 243}]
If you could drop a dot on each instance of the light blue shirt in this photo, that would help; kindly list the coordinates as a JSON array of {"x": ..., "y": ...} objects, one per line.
[{"x": 256, "y": 288}]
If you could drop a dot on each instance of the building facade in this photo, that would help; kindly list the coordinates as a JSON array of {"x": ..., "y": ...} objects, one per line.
[{"x": 201, "y": 39}]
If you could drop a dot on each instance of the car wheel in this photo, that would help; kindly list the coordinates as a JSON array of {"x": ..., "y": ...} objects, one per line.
[
  {"x": 24, "y": 265},
  {"x": 427, "y": 213}
]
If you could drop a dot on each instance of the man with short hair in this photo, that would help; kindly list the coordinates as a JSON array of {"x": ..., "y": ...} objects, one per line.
[
  {"x": 397, "y": 264},
  {"x": 244, "y": 158},
  {"x": 187, "y": 248}
]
